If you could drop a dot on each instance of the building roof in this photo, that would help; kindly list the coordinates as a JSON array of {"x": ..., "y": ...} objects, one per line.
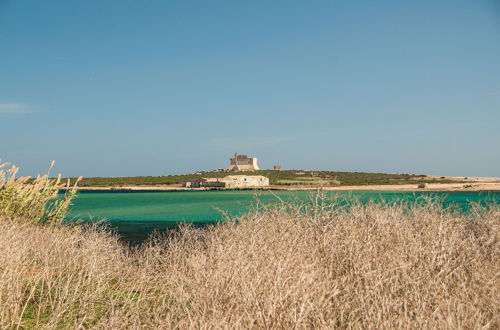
[{"x": 236, "y": 177}]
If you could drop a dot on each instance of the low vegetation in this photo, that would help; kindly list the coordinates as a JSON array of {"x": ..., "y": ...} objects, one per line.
[
  {"x": 289, "y": 177},
  {"x": 316, "y": 265}
]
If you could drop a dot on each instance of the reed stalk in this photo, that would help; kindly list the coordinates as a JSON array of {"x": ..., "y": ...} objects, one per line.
[{"x": 34, "y": 199}]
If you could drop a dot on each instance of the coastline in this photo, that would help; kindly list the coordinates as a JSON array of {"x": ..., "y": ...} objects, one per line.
[{"x": 472, "y": 186}]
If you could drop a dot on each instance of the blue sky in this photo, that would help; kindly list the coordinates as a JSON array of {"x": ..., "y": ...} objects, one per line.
[{"x": 115, "y": 88}]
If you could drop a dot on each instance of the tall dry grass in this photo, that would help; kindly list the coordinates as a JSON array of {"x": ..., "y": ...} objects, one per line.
[
  {"x": 34, "y": 199},
  {"x": 367, "y": 266}
]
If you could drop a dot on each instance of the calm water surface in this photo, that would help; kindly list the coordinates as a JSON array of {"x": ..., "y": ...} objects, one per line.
[{"x": 136, "y": 214}]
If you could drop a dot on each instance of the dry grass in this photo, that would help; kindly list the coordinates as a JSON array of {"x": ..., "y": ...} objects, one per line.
[
  {"x": 371, "y": 266},
  {"x": 33, "y": 199}
]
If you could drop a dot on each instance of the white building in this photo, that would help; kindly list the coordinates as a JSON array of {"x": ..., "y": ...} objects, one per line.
[{"x": 230, "y": 181}]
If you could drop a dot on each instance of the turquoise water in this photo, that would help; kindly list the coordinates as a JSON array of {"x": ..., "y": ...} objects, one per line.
[{"x": 136, "y": 214}]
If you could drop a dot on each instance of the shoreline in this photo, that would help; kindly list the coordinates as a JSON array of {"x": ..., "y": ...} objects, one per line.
[{"x": 436, "y": 187}]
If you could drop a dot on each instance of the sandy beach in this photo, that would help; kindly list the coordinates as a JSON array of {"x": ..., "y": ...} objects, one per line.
[
  {"x": 489, "y": 186},
  {"x": 474, "y": 184}
]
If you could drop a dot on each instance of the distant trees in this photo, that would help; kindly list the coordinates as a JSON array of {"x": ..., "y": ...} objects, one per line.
[{"x": 275, "y": 178}]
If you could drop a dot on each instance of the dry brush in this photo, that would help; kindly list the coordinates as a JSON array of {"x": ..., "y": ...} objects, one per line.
[{"x": 292, "y": 266}]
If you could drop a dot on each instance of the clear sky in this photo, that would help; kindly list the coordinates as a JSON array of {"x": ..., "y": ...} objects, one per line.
[{"x": 114, "y": 88}]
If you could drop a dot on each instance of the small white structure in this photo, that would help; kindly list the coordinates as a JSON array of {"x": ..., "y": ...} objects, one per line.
[
  {"x": 230, "y": 181},
  {"x": 243, "y": 181}
]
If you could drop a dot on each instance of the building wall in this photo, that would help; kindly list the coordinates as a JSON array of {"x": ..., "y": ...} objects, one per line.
[
  {"x": 242, "y": 181},
  {"x": 215, "y": 184},
  {"x": 231, "y": 181}
]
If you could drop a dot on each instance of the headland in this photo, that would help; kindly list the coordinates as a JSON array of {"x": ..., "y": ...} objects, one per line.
[{"x": 300, "y": 181}]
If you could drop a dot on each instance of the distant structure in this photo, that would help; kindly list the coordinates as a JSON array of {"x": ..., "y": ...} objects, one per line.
[
  {"x": 230, "y": 181},
  {"x": 243, "y": 163},
  {"x": 277, "y": 167}
]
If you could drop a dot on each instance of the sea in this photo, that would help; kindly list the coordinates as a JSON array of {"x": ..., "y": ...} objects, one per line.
[{"x": 134, "y": 215}]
